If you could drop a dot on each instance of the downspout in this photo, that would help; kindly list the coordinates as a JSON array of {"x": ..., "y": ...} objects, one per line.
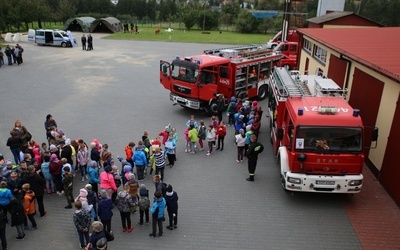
[{"x": 346, "y": 82}]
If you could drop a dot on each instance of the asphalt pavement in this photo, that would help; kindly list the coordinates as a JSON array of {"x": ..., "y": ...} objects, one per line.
[{"x": 113, "y": 94}]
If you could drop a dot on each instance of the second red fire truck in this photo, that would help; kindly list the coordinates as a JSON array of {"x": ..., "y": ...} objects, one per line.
[
  {"x": 317, "y": 136},
  {"x": 196, "y": 81}
]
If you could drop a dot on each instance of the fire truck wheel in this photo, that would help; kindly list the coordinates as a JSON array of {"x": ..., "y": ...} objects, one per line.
[
  {"x": 283, "y": 182},
  {"x": 262, "y": 92},
  {"x": 212, "y": 109}
]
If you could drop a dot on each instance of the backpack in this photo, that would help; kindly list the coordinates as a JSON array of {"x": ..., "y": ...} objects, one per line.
[{"x": 144, "y": 203}]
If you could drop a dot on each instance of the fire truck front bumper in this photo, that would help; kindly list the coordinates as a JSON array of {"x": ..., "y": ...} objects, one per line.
[
  {"x": 185, "y": 102},
  {"x": 323, "y": 183}
]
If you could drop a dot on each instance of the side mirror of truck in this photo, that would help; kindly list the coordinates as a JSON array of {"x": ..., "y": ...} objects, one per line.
[
  {"x": 374, "y": 136},
  {"x": 280, "y": 133}
]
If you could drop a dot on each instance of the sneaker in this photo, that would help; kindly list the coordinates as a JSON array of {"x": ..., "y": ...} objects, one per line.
[
  {"x": 237, "y": 161},
  {"x": 139, "y": 224},
  {"x": 124, "y": 229},
  {"x": 241, "y": 160},
  {"x": 83, "y": 178},
  {"x": 160, "y": 236},
  {"x": 217, "y": 149},
  {"x": 48, "y": 194},
  {"x": 34, "y": 228},
  {"x": 221, "y": 149},
  {"x": 175, "y": 226},
  {"x": 152, "y": 235},
  {"x": 201, "y": 149},
  {"x": 147, "y": 222},
  {"x": 43, "y": 215},
  {"x": 186, "y": 150},
  {"x": 169, "y": 227},
  {"x": 192, "y": 152},
  {"x": 171, "y": 166},
  {"x": 20, "y": 237},
  {"x": 130, "y": 229},
  {"x": 208, "y": 154},
  {"x": 87, "y": 177}
]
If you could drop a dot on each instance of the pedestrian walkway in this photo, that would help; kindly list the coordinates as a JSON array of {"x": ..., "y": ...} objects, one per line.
[{"x": 374, "y": 215}]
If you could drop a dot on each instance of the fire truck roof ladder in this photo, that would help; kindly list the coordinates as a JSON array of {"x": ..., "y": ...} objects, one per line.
[
  {"x": 292, "y": 88},
  {"x": 237, "y": 48}
]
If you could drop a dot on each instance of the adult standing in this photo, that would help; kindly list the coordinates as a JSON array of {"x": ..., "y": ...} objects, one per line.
[
  {"x": 21, "y": 50},
  {"x": 255, "y": 148},
  {"x": 83, "y": 41},
  {"x": 220, "y": 106},
  {"x": 37, "y": 185},
  {"x": 8, "y": 53},
  {"x": 48, "y": 125},
  {"x": 15, "y": 142},
  {"x": 66, "y": 152},
  {"x": 90, "y": 42},
  {"x": 22, "y": 132},
  {"x": 107, "y": 181},
  {"x": 55, "y": 169}
]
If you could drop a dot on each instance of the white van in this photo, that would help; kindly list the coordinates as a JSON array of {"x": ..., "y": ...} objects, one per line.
[{"x": 52, "y": 37}]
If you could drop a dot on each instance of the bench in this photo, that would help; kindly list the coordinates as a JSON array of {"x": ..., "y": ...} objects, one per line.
[{"x": 205, "y": 32}]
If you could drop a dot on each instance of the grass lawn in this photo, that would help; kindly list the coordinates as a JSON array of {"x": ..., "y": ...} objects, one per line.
[{"x": 192, "y": 36}]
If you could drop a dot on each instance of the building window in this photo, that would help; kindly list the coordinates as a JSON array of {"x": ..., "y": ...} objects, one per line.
[
  {"x": 307, "y": 46},
  {"x": 320, "y": 54}
]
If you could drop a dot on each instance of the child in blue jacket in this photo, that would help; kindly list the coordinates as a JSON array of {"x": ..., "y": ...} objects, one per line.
[{"x": 157, "y": 214}]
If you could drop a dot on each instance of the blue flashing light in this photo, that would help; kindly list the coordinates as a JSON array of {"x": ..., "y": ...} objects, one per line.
[
  {"x": 356, "y": 112},
  {"x": 300, "y": 111}
]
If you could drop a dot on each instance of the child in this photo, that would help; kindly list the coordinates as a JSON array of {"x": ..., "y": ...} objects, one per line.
[
  {"x": 160, "y": 162},
  {"x": 82, "y": 197},
  {"x": 67, "y": 183},
  {"x": 170, "y": 147},
  {"x": 202, "y": 134},
  {"x": 17, "y": 217},
  {"x": 240, "y": 142},
  {"x": 47, "y": 175},
  {"x": 171, "y": 199},
  {"x": 221, "y": 132},
  {"x": 3, "y": 222},
  {"x": 157, "y": 214},
  {"x": 105, "y": 210},
  {"x": 144, "y": 204},
  {"x": 93, "y": 176},
  {"x": 29, "y": 205},
  {"x": 82, "y": 221},
  {"x": 210, "y": 135},
  {"x": 187, "y": 147},
  {"x": 92, "y": 200},
  {"x": 231, "y": 110},
  {"x": 193, "y": 136},
  {"x": 124, "y": 203}
]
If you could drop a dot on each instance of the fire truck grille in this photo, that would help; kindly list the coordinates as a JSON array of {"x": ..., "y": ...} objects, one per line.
[{"x": 182, "y": 90}]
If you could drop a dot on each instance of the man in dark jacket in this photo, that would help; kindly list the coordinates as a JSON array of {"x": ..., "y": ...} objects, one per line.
[
  {"x": 37, "y": 185},
  {"x": 220, "y": 106},
  {"x": 255, "y": 148},
  {"x": 66, "y": 152},
  {"x": 15, "y": 143}
]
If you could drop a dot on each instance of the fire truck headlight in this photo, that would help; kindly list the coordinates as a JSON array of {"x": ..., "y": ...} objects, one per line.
[
  {"x": 294, "y": 180},
  {"x": 355, "y": 182}
]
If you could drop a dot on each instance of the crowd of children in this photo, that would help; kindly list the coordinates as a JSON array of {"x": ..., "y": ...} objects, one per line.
[{"x": 52, "y": 167}]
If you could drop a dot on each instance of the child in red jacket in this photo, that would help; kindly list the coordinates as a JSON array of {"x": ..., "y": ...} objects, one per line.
[{"x": 221, "y": 132}]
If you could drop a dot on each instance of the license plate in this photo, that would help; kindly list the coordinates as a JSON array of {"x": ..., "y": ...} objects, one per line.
[
  {"x": 181, "y": 100},
  {"x": 325, "y": 182}
]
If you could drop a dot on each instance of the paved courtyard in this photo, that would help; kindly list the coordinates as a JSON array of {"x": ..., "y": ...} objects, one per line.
[{"x": 113, "y": 94}]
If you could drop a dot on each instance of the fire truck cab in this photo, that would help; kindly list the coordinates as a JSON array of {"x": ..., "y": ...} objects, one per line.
[
  {"x": 196, "y": 81},
  {"x": 316, "y": 135}
]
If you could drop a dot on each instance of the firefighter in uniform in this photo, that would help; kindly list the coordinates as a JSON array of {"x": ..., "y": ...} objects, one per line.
[{"x": 252, "y": 152}]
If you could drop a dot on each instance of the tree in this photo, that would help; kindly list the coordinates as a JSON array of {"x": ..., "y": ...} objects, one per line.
[
  {"x": 246, "y": 22},
  {"x": 189, "y": 13},
  {"x": 209, "y": 18}
]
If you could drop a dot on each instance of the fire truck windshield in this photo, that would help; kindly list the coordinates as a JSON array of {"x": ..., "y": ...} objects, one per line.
[
  {"x": 185, "y": 71},
  {"x": 329, "y": 139}
]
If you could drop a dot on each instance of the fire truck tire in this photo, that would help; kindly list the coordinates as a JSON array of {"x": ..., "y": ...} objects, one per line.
[
  {"x": 262, "y": 92},
  {"x": 212, "y": 109},
  {"x": 283, "y": 182}
]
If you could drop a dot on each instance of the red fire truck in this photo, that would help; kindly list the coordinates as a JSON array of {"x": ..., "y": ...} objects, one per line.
[
  {"x": 196, "y": 81},
  {"x": 316, "y": 135}
]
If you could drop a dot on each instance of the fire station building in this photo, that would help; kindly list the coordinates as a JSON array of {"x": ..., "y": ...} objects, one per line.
[{"x": 366, "y": 61}]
